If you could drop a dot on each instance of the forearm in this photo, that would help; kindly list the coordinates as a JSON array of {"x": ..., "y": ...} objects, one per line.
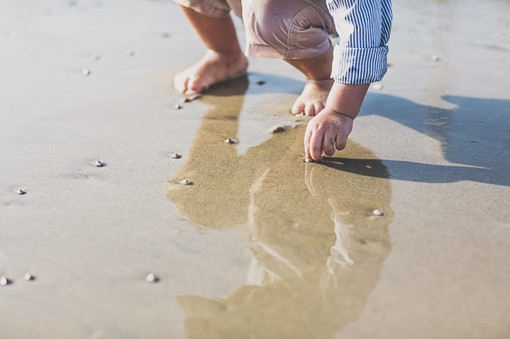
[{"x": 346, "y": 99}]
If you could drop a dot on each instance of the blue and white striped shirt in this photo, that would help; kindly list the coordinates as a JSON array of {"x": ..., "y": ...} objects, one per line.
[{"x": 364, "y": 28}]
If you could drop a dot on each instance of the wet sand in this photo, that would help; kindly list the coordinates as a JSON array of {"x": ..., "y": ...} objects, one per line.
[
  {"x": 317, "y": 247},
  {"x": 261, "y": 245}
]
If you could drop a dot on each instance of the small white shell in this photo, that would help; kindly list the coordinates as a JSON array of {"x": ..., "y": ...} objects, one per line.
[
  {"x": 177, "y": 106},
  {"x": 231, "y": 141},
  {"x": 176, "y": 156},
  {"x": 29, "y": 277},
  {"x": 378, "y": 213},
  {"x": 99, "y": 164},
  {"x": 185, "y": 182},
  {"x": 21, "y": 192},
  {"x": 434, "y": 58},
  {"x": 4, "y": 281},
  {"x": 85, "y": 72},
  {"x": 152, "y": 278}
]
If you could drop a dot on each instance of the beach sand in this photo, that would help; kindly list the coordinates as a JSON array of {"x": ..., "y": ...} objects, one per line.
[{"x": 261, "y": 245}]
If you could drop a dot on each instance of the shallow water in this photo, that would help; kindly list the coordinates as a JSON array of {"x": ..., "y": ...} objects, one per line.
[
  {"x": 261, "y": 245},
  {"x": 317, "y": 249}
]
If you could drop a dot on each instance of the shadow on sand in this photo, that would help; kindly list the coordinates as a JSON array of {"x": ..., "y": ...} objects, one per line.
[{"x": 474, "y": 135}]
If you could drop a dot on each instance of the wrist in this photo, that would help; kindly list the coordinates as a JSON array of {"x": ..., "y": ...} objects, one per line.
[
  {"x": 346, "y": 99},
  {"x": 337, "y": 112}
]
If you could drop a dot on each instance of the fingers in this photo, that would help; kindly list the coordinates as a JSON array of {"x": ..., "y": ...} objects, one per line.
[
  {"x": 313, "y": 142},
  {"x": 341, "y": 141},
  {"x": 326, "y": 132},
  {"x": 316, "y": 147},
  {"x": 329, "y": 142}
]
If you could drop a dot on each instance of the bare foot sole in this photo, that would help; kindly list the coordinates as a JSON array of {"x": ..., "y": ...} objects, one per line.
[
  {"x": 313, "y": 98},
  {"x": 213, "y": 68}
]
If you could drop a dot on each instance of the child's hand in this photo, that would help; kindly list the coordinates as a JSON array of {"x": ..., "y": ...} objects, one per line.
[{"x": 325, "y": 132}]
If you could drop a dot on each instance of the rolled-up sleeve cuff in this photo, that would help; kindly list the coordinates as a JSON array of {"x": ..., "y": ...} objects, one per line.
[{"x": 357, "y": 66}]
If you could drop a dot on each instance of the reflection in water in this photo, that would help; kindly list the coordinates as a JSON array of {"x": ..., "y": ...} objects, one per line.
[{"x": 317, "y": 249}]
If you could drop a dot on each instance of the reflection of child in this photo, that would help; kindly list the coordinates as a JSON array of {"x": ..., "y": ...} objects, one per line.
[
  {"x": 317, "y": 249},
  {"x": 297, "y": 31}
]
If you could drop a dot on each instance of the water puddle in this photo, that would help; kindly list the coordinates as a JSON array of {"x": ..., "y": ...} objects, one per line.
[{"x": 317, "y": 246}]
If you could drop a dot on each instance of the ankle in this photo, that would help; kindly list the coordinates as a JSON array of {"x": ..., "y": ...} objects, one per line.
[{"x": 234, "y": 54}]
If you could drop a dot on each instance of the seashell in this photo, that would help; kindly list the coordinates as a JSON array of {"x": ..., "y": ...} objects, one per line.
[
  {"x": 231, "y": 141},
  {"x": 29, "y": 277},
  {"x": 85, "y": 72},
  {"x": 4, "y": 281},
  {"x": 378, "y": 213},
  {"x": 185, "y": 182},
  {"x": 99, "y": 164},
  {"x": 176, "y": 156},
  {"x": 177, "y": 106},
  {"x": 276, "y": 129},
  {"x": 152, "y": 278},
  {"x": 21, "y": 192},
  {"x": 434, "y": 58}
]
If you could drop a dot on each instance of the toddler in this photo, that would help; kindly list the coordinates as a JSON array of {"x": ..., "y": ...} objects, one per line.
[{"x": 297, "y": 31}]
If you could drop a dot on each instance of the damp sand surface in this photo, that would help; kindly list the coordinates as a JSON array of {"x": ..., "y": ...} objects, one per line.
[{"x": 404, "y": 234}]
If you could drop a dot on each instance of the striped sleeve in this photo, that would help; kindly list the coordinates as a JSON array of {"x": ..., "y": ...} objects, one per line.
[{"x": 364, "y": 28}]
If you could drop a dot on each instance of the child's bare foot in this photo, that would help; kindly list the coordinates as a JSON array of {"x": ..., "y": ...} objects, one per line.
[
  {"x": 313, "y": 98},
  {"x": 213, "y": 68}
]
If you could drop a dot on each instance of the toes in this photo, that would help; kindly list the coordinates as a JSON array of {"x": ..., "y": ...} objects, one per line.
[
  {"x": 298, "y": 107},
  {"x": 194, "y": 86},
  {"x": 180, "y": 83},
  {"x": 177, "y": 84},
  {"x": 310, "y": 110},
  {"x": 318, "y": 107}
]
